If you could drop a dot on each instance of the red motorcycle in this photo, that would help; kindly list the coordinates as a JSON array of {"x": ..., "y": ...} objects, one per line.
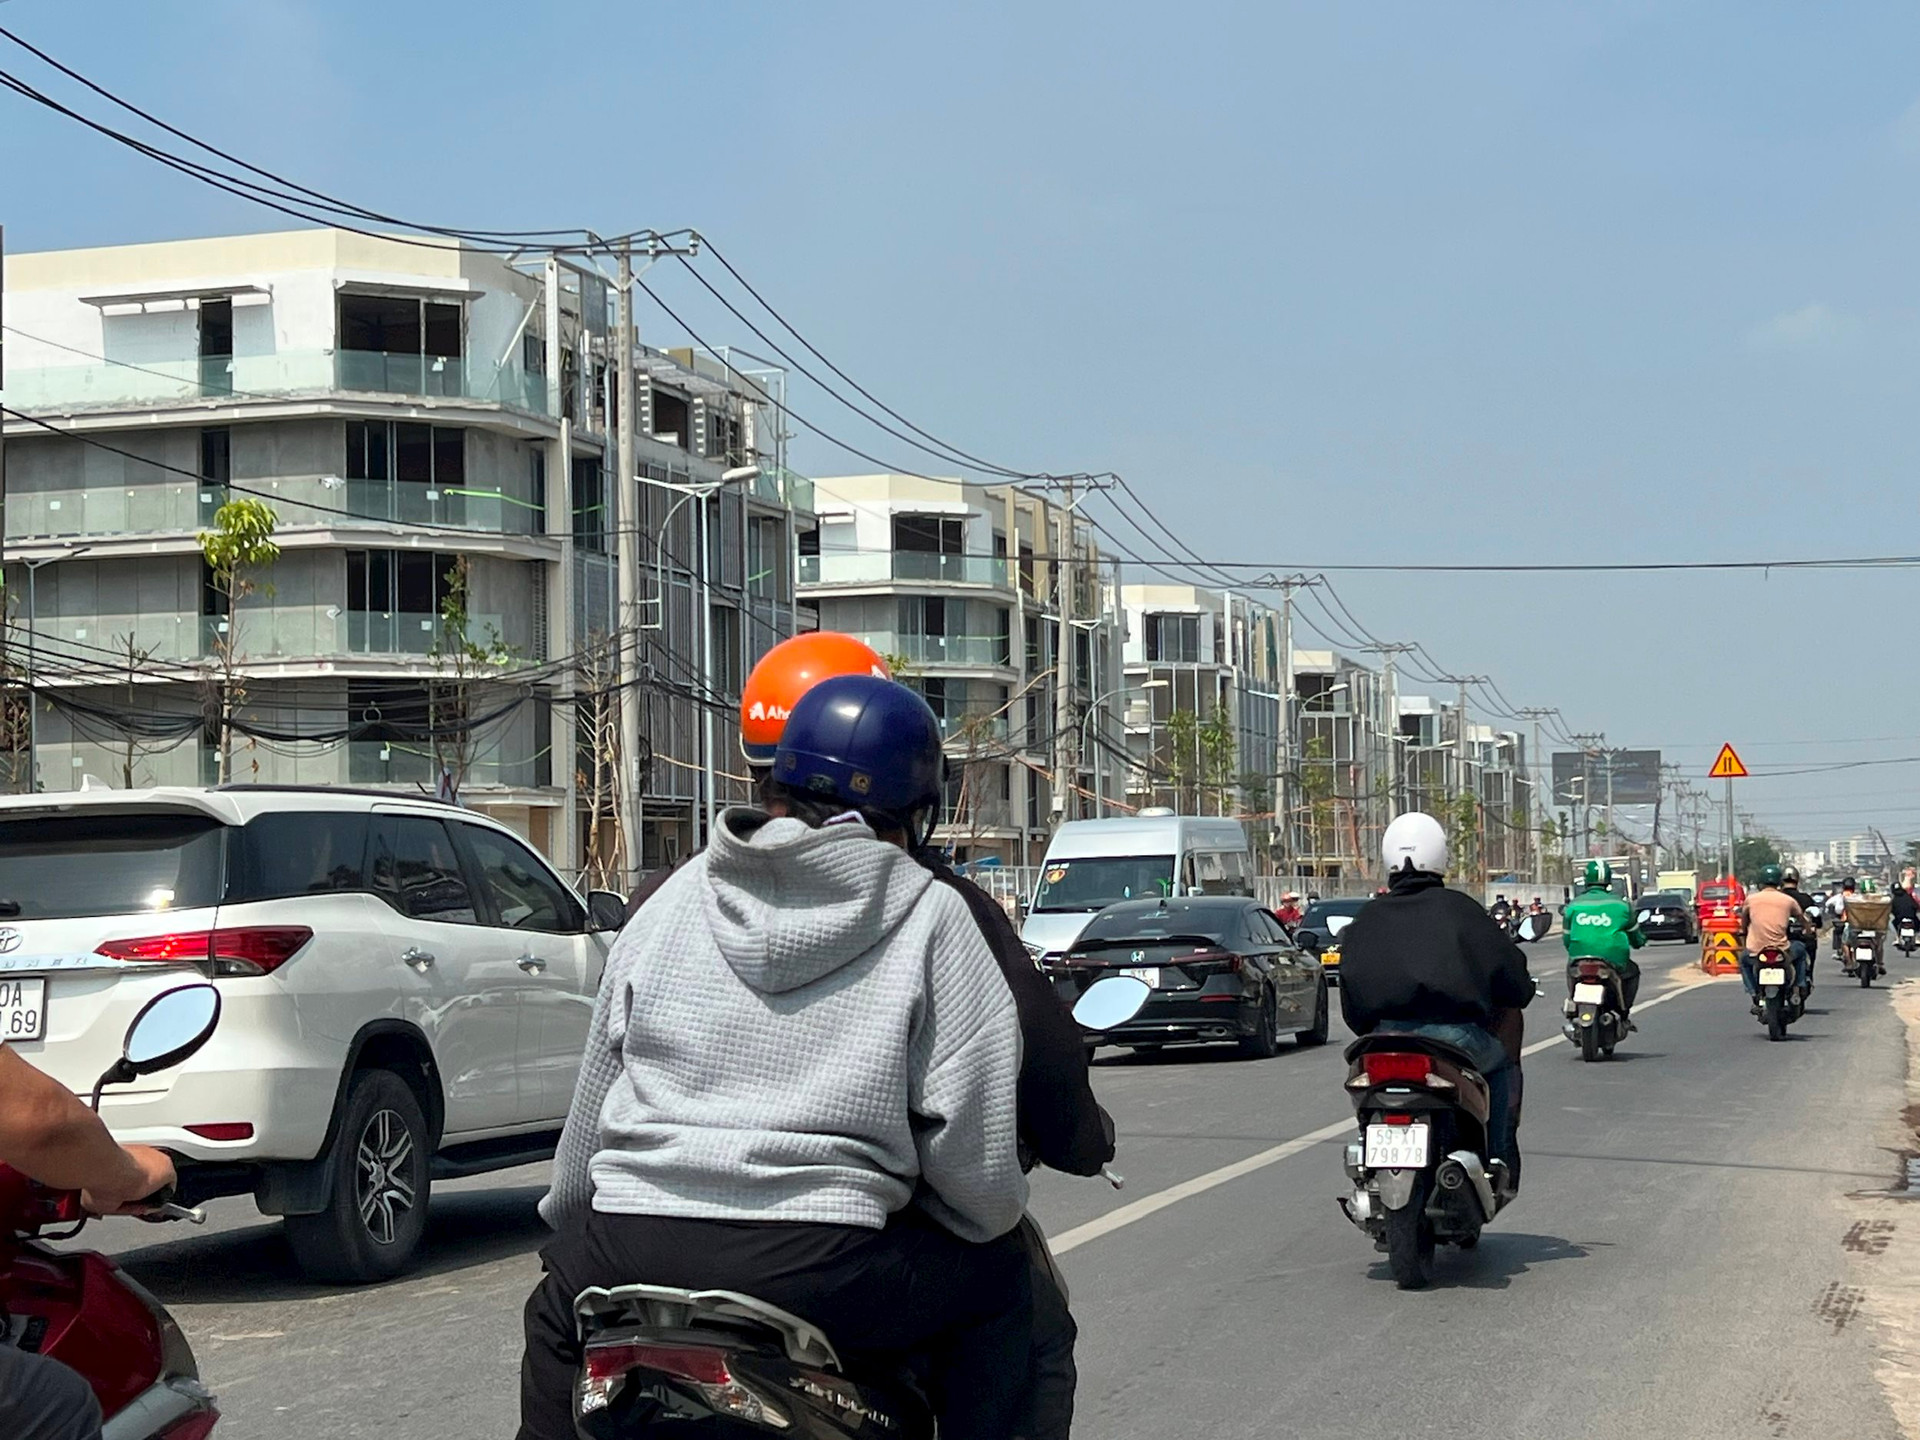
[{"x": 77, "y": 1306}]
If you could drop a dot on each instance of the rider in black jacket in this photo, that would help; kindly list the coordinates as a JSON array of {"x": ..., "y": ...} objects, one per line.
[{"x": 1423, "y": 959}]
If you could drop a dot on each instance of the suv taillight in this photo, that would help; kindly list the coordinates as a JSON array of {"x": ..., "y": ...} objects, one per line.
[{"x": 234, "y": 950}]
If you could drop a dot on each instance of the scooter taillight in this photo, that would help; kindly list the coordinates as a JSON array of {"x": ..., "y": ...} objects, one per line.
[
  {"x": 701, "y": 1369},
  {"x": 698, "y": 1363},
  {"x": 1592, "y": 970},
  {"x": 1385, "y": 1066}
]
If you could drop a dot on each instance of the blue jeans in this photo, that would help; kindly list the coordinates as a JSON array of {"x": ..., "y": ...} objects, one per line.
[
  {"x": 1490, "y": 1059},
  {"x": 1750, "y": 969}
]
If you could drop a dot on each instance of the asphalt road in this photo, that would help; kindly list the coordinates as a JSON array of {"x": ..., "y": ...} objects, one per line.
[{"x": 1679, "y": 1263}]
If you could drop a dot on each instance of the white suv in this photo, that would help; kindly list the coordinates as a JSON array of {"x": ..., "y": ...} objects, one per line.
[{"x": 406, "y": 992}]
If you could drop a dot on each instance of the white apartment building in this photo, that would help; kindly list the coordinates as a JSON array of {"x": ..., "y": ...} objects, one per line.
[
  {"x": 964, "y": 587},
  {"x": 1203, "y": 704},
  {"x": 432, "y": 428}
]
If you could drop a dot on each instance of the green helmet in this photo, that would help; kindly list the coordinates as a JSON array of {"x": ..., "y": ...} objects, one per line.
[
  {"x": 1769, "y": 875},
  {"x": 1599, "y": 875}
]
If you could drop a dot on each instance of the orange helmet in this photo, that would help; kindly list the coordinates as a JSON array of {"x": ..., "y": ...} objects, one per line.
[{"x": 788, "y": 671}]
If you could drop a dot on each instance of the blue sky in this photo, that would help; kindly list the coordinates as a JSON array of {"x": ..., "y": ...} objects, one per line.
[{"x": 1337, "y": 282}]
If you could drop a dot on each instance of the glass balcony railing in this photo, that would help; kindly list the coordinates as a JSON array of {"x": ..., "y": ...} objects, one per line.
[
  {"x": 181, "y": 507},
  {"x": 979, "y": 727},
  {"x": 944, "y": 649},
  {"x": 110, "y": 385},
  {"x": 949, "y": 569},
  {"x": 873, "y": 567},
  {"x": 397, "y": 632},
  {"x": 411, "y": 762}
]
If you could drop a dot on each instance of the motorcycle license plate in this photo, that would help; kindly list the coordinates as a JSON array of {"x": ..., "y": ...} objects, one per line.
[
  {"x": 23, "y": 1009},
  {"x": 1148, "y": 974},
  {"x": 1589, "y": 994},
  {"x": 1772, "y": 975},
  {"x": 1397, "y": 1147},
  {"x": 1865, "y": 952}
]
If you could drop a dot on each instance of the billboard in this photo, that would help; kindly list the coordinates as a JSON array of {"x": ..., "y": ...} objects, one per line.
[{"x": 1584, "y": 775}]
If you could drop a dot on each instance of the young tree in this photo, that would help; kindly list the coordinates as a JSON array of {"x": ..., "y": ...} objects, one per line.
[
  {"x": 238, "y": 550},
  {"x": 134, "y": 752},
  {"x": 467, "y": 666},
  {"x": 1219, "y": 760},
  {"x": 1183, "y": 760},
  {"x": 597, "y": 761}
]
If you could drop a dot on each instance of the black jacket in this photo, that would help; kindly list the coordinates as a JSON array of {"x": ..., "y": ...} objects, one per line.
[
  {"x": 1060, "y": 1121},
  {"x": 1430, "y": 955},
  {"x": 1806, "y": 903},
  {"x": 1904, "y": 905}
]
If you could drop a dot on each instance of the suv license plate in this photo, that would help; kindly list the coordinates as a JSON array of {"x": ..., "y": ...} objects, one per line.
[
  {"x": 1397, "y": 1147},
  {"x": 1772, "y": 975},
  {"x": 23, "y": 1009},
  {"x": 1589, "y": 994},
  {"x": 1148, "y": 973}
]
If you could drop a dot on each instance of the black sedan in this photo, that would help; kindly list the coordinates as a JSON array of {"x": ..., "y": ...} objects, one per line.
[
  {"x": 1220, "y": 967},
  {"x": 1667, "y": 915}
]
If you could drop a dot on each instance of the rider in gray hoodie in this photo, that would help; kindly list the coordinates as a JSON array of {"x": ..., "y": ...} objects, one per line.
[{"x": 800, "y": 1083}]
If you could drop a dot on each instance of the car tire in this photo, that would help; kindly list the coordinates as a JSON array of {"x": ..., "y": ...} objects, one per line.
[
  {"x": 380, "y": 1185},
  {"x": 1264, "y": 1042},
  {"x": 1316, "y": 1033}
]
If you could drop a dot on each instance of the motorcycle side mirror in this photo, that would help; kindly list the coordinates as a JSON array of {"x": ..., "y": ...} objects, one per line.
[
  {"x": 1110, "y": 1002},
  {"x": 606, "y": 910},
  {"x": 169, "y": 1028}
]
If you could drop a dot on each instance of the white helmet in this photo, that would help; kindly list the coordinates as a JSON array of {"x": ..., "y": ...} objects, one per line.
[{"x": 1415, "y": 841}]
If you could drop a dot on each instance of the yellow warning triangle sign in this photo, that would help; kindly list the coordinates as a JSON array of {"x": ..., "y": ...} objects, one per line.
[{"x": 1727, "y": 766}]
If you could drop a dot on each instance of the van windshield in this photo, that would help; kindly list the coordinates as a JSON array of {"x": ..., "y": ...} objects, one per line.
[{"x": 1102, "y": 880}]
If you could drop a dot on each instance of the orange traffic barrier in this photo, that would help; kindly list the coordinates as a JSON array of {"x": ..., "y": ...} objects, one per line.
[{"x": 1720, "y": 952}]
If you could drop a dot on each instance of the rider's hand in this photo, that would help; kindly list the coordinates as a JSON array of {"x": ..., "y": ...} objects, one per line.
[{"x": 152, "y": 1171}]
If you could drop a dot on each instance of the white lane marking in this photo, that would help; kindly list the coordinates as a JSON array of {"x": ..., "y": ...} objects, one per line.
[{"x": 1137, "y": 1210}]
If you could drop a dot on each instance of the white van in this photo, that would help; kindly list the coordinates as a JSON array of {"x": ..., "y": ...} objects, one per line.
[{"x": 1092, "y": 864}]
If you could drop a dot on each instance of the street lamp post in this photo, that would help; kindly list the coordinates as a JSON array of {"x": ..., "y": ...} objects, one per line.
[
  {"x": 1100, "y": 794},
  {"x": 33, "y": 673}
]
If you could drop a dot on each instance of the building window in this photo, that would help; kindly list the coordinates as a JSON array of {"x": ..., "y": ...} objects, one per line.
[
  {"x": 672, "y": 419},
  {"x": 400, "y": 325},
  {"x": 216, "y": 469},
  {"x": 929, "y": 534},
  {"x": 1173, "y": 639},
  {"x": 394, "y": 599},
  {"x": 590, "y": 524},
  {"x": 537, "y": 483}
]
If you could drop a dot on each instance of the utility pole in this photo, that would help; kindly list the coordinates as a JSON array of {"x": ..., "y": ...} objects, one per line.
[
  {"x": 1066, "y": 757},
  {"x": 1289, "y": 727},
  {"x": 1462, "y": 750},
  {"x": 1537, "y": 713},
  {"x": 626, "y": 492},
  {"x": 1389, "y": 653}
]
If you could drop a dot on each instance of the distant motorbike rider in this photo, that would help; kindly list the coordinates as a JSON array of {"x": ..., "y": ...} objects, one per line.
[
  {"x": 1062, "y": 1126},
  {"x": 1836, "y": 916},
  {"x": 1810, "y": 931},
  {"x": 1906, "y": 910},
  {"x": 1426, "y": 960},
  {"x": 1767, "y": 917},
  {"x": 1601, "y": 926},
  {"x": 800, "y": 1083},
  {"x": 1501, "y": 909},
  {"x": 1289, "y": 914}
]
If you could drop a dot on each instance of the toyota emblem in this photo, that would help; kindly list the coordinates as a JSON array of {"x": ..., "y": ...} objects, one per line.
[{"x": 9, "y": 940}]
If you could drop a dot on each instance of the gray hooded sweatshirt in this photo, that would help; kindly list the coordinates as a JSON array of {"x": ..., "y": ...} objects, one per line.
[{"x": 799, "y": 1026}]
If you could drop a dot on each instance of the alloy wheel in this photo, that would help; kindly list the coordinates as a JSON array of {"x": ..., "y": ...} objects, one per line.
[{"x": 385, "y": 1166}]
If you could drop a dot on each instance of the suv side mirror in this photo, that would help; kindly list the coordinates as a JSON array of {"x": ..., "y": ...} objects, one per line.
[{"x": 606, "y": 911}]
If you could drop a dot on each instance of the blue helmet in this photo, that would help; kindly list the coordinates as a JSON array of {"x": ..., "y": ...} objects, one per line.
[{"x": 868, "y": 743}]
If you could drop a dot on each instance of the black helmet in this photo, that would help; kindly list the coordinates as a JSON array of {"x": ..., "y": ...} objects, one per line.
[
  {"x": 870, "y": 744},
  {"x": 1790, "y": 876},
  {"x": 1849, "y": 884}
]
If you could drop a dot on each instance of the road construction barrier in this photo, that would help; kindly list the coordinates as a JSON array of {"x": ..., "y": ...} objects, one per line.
[{"x": 1720, "y": 952}]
